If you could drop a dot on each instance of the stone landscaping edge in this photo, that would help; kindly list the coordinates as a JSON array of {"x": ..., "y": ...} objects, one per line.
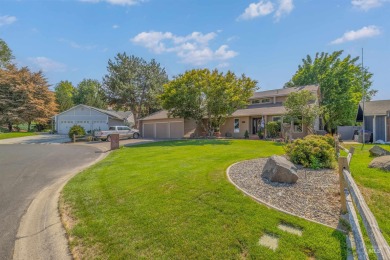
[{"x": 270, "y": 205}]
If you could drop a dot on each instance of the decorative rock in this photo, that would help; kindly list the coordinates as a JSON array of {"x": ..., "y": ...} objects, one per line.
[
  {"x": 279, "y": 169},
  {"x": 382, "y": 162},
  {"x": 378, "y": 151}
]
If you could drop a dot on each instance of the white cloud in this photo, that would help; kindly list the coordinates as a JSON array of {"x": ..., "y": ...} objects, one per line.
[
  {"x": 115, "y": 2},
  {"x": 6, "y": 19},
  {"x": 365, "y": 32},
  {"x": 193, "y": 48},
  {"x": 263, "y": 8},
  {"x": 115, "y": 26},
  {"x": 46, "y": 64},
  {"x": 285, "y": 7},
  {"x": 257, "y": 9},
  {"x": 367, "y": 4}
]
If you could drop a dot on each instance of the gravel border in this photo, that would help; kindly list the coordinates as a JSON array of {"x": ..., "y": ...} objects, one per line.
[{"x": 315, "y": 196}]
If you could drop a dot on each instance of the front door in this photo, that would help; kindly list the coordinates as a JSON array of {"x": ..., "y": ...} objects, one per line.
[{"x": 256, "y": 125}]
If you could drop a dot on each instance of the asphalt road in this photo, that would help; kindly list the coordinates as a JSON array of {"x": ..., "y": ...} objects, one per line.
[{"x": 26, "y": 169}]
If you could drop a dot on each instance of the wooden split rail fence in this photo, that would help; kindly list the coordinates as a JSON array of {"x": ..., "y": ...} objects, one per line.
[{"x": 352, "y": 198}]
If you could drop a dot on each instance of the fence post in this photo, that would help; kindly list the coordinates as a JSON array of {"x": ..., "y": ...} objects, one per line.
[{"x": 343, "y": 164}]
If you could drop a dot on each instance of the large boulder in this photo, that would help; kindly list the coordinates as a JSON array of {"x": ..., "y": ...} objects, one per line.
[
  {"x": 378, "y": 151},
  {"x": 382, "y": 162},
  {"x": 279, "y": 169}
]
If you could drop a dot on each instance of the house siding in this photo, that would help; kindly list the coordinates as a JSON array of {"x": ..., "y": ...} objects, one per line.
[
  {"x": 227, "y": 129},
  {"x": 88, "y": 118}
]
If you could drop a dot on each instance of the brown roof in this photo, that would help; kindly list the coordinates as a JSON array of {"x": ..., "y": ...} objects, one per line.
[
  {"x": 265, "y": 109},
  {"x": 260, "y": 111},
  {"x": 283, "y": 91},
  {"x": 162, "y": 114},
  {"x": 378, "y": 107}
]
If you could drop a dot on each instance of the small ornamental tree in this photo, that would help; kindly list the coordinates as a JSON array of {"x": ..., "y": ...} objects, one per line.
[
  {"x": 300, "y": 107},
  {"x": 76, "y": 130},
  {"x": 208, "y": 97}
]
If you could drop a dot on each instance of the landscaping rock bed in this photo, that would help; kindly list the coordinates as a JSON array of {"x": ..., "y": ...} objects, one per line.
[{"x": 314, "y": 196}]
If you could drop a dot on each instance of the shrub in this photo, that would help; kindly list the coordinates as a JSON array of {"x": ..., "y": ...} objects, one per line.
[
  {"x": 273, "y": 129},
  {"x": 313, "y": 151},
  {"x": 327, "y": 138},
  {"x": 246, "y": 135},
  {"x": 77, "y": 130}
]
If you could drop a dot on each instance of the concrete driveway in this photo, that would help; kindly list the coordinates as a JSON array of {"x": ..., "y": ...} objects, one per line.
[
  {"x": 25, "y": 171},
  {"x": 37, "y": 139}
]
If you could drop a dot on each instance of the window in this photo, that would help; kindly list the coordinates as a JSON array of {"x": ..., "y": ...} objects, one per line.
[
  {"x": 266, "y": 100},
  {"x": 112, "y": 128},
  {"x": 256, "y": 101},
  {"x": 276, "y": 118},
  {"x": 297, "y": 125},
  {"x": 236, "y": 125}
]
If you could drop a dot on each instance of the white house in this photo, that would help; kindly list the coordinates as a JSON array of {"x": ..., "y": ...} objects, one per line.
[{"x": 90, "y": 118}]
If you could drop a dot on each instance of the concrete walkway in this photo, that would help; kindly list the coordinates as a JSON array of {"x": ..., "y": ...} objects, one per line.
[{"x": 37, "y": 139}]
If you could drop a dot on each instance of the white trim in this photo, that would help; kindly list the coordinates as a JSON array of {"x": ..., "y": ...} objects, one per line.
[
  {"x": 385, "y": 129},
  {"x": 374, "y": 128}
]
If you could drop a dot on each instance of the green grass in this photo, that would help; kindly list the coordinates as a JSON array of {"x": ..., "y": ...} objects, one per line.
[
  {"x": 15, "y": 134},
  {"x": 172, "y": 200},
  {"x": 375, "y": 186}
]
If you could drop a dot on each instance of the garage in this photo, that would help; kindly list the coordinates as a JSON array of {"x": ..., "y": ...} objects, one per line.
[
  {"x": 160, "y": 126},
  {"x": 148, "y": 130},
  {"x": 162, "y": 130}
]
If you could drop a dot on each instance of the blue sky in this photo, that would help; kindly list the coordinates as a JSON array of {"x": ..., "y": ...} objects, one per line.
[{"x": 266, "y": 40}]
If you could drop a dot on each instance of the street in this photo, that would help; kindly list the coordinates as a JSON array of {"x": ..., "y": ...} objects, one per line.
[{"x": 26, "y": 169}]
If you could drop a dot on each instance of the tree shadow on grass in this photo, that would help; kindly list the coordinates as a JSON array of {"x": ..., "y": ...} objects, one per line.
[
  {"x": 175, "y": 143},
  {"x": 343, "y": 243}
]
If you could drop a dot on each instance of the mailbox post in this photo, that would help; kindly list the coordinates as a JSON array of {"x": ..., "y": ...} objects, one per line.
[{"x": 114, "y": 141}]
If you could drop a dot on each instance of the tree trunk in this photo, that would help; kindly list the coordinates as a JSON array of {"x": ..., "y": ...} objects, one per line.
[
  {"x": 28, "y": 126},
  {"x": 9, "y": 127}
]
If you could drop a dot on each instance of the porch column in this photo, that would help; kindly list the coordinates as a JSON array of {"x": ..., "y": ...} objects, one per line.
[{"x": 374, "y": 129}]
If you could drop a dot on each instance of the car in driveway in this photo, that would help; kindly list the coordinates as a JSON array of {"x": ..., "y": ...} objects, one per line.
[{"x": 124, "y": 132}]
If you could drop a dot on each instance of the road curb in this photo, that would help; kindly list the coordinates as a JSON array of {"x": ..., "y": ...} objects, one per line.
[{"x": 41, "y": 234}]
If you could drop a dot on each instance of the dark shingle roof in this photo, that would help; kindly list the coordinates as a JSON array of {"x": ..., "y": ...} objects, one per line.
[{"x": 378, "y": 107}]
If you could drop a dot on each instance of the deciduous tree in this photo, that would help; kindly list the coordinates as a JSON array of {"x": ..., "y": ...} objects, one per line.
[
  {"x": 24, "y": 97},
  {"x": 39, "y": 103},
  {"x": 204, "y": 94},
  {"x": 5, "y": 54},
  {"x": 134, "y": 84},
  {"x": 340, "y": 84},
  {"x": 64, "y": 92},
  {"x": 89, "y": 92},
  {"x": 300, "y": 106}
]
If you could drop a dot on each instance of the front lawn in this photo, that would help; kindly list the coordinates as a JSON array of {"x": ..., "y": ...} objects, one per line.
[
  {"x": 15, "y": 134},
  {"x": 172, "y": 200},
  {"x": 374, "y": 184}
]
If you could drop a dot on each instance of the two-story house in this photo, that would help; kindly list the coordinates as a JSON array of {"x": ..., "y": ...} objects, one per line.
[{"x": 263, "y": 107}]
